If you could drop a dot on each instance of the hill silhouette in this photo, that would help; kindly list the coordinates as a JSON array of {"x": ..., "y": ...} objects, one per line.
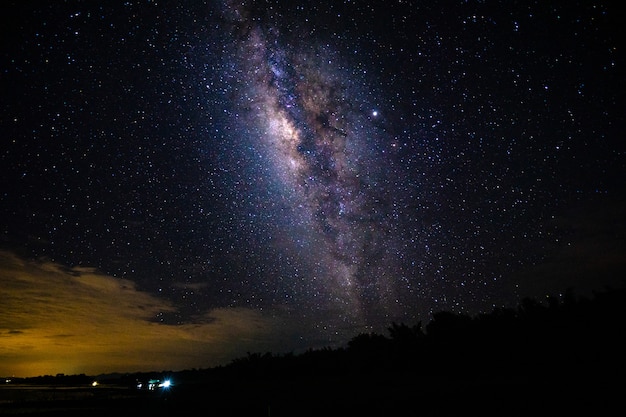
[{"x": 558, "y": 356}]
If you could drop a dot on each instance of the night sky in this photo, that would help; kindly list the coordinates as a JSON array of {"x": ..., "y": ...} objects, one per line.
[{"x": 184, "y": 182}]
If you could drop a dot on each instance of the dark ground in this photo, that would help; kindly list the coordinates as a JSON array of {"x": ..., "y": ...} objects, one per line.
[{"x": 394, "y": 395}]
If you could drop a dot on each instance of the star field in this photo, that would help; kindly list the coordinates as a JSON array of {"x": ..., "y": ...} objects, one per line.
[{"x": 346, "y": 163}]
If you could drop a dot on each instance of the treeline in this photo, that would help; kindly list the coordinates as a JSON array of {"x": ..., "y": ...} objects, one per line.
[
  {"x": 554, "y": 337},
  {"x": 558, "y": 337},
  {"x": 58, "y": 379},
  {"x": 560, "y": 356}
]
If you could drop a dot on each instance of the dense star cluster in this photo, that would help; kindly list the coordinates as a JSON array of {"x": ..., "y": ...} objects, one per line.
[{"x": 347, "y": 163}]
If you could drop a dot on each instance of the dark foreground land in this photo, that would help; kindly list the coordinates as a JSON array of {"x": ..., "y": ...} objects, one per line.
[
  {"x": 558, "y": 358},
  {"x": 347, "y": 397}
]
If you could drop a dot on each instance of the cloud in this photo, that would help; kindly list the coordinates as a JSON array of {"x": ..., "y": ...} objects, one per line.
[{"x": 76, "y": 320}]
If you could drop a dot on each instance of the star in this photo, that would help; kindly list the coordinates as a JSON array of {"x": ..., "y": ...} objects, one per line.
[{"x": 322, "y": 168}]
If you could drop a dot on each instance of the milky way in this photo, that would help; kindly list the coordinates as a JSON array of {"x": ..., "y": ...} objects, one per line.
[
  {"x": 317, "y": 132},
  {"x": 346, "y": 164}
]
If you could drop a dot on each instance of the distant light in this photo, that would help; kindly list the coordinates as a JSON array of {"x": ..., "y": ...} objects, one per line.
[
  {"x": 94, "y": 384},
  {"x": 165, "y": 384},
  {"x": 375, "y": 113}
]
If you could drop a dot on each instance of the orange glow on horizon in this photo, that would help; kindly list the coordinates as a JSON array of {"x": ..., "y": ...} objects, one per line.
[{"x": 56, "y": 320}]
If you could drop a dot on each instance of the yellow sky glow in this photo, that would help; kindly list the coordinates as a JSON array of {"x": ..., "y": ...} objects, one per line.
[{"x": 59, "y": 320}]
